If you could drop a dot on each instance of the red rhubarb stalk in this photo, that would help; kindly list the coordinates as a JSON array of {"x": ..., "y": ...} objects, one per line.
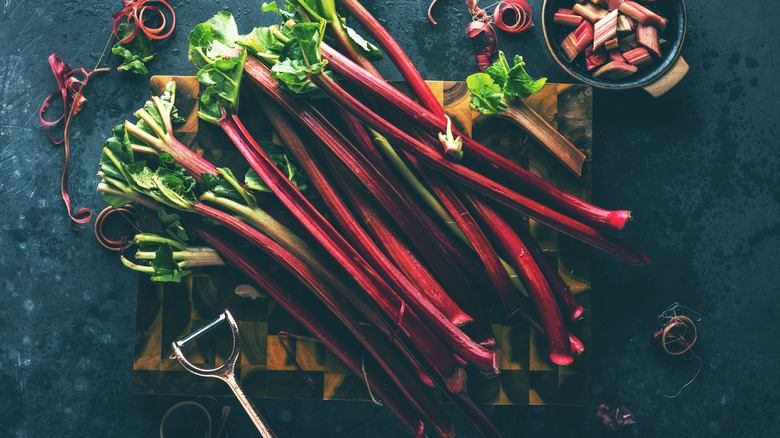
[
  {"x": 592, "y": 215},
  {"x": 590, "y": 11},
  {"x": 568, "y": 303},
  {"x": 538, "y": 289},
  {"x": 567, "y": 17},
  {"x": 568, "y": 203},
  {"x": 394, "y": 52}
]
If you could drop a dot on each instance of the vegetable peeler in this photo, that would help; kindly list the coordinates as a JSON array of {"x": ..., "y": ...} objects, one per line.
[{"x": 225, "y": 372}]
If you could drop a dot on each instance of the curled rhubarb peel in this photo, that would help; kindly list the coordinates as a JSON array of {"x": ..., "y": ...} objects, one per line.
[
  {"x": 518, "y": 11},
  {"x": 129, "y": 214},
  {"x": 135, "y": 13}
]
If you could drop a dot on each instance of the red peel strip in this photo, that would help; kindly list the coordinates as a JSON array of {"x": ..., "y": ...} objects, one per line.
[
  {"x": 70, "y": 87},
  {"x": 430, "y": 11}
]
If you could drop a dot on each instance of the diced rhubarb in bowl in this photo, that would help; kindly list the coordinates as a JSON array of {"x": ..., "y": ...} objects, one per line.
[{"x": 615, "y": 43}]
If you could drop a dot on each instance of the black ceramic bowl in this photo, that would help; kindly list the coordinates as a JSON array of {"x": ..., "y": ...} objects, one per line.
[{"x": 656, "y": 79}]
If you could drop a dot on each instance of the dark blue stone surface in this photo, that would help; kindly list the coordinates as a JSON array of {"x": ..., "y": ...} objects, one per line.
[{"x": 698, "y": 167}]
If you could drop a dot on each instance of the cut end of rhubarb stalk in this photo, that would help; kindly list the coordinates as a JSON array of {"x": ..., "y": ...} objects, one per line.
[
  {"x": 577, "y": 314},
  {"x": 561, "y": 359},
  {"x": 577, "y": 347},
  {"x": 617, "y": 219},
  {"x": 456, "y": 383}
]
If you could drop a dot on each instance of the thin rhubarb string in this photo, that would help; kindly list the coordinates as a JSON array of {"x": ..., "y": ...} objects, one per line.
[
  {"x": 135, "y": 12},
  {"x": 291, "y": 355}
]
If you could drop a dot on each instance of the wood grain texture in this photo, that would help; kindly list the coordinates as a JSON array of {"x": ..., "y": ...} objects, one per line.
[{"x": 168, "y": 312}]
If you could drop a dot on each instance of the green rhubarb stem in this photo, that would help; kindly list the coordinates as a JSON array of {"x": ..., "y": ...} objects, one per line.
[
  {"x": 188, "y": 258},
  {"x": 268, "y": 225},
  {"x": 154, "y": 238}
]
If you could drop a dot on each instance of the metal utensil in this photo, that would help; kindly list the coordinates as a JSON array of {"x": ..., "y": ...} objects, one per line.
[{"x": 227, "y": 372}]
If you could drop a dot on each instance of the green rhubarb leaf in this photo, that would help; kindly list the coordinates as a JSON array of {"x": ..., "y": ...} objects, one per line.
[
  {"x": 519, "y": 83},
  {"x": 220, "y": 60},
  {"x": 370, "y": 51},
  {"x": 293, "y": 75},
  {"x": 136, "y": 52},
  {"x": 173, "y": 226},
  {"x": 287, "y": 13},
  {"x": 220, "y": 187},
  {"x": 514, "y": 81},
  {"x": 486, "y": 94},
  {"x": 286, "y": 163},
  {"x": 116, "y": 151},
  {"x": 309, "y": 37},
  {"x": 165, "y": 267},
  {"x": 262, "y": 42}
]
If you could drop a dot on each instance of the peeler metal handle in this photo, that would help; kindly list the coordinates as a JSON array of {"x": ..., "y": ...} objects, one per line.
[{"x": 225, "y": 372}]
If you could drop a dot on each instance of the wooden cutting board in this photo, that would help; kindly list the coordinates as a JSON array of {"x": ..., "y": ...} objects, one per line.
[{"x": 274, "y": 365}]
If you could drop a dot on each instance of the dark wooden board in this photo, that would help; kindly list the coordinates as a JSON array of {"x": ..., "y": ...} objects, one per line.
[{"x": 167, "y": 312}]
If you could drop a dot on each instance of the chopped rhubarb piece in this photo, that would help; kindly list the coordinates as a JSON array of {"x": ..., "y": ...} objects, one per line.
[
  {"x": 615, "y": 55},
  {"x": 577, "y": 40},
  {"x": 613, "y": 4},
  {"x": 604, "y": 3},
  {"x": 643, "y": 15},
  {"x": 647, "y": 36},
  {"x": 625, "y": 24},
  {"x": 605, "y": 29},
  {"x": 639, "y": 57},
  {"x": 567, "y": 18},
  {"x": 615, "y": 70},
  {"x": 628, "y": 42},
  {"x": 590, "y": 11},
  {"x": 595, "y": 58},
  {"x": 611, "y": 44}
]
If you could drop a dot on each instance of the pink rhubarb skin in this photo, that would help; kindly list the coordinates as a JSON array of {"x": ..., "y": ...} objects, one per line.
[{"x": 588, "y": 213}]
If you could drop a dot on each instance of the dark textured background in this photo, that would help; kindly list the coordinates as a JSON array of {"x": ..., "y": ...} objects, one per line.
[{"x": 698, "y": 167}]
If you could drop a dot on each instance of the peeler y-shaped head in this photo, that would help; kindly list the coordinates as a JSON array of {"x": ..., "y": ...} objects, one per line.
[{"x": 225, "y": 372}]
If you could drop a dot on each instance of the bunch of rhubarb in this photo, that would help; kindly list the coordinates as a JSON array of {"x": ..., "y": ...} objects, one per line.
[
  {"x": 414, "y": 221},
  {"x": 614, "y": 38}
]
